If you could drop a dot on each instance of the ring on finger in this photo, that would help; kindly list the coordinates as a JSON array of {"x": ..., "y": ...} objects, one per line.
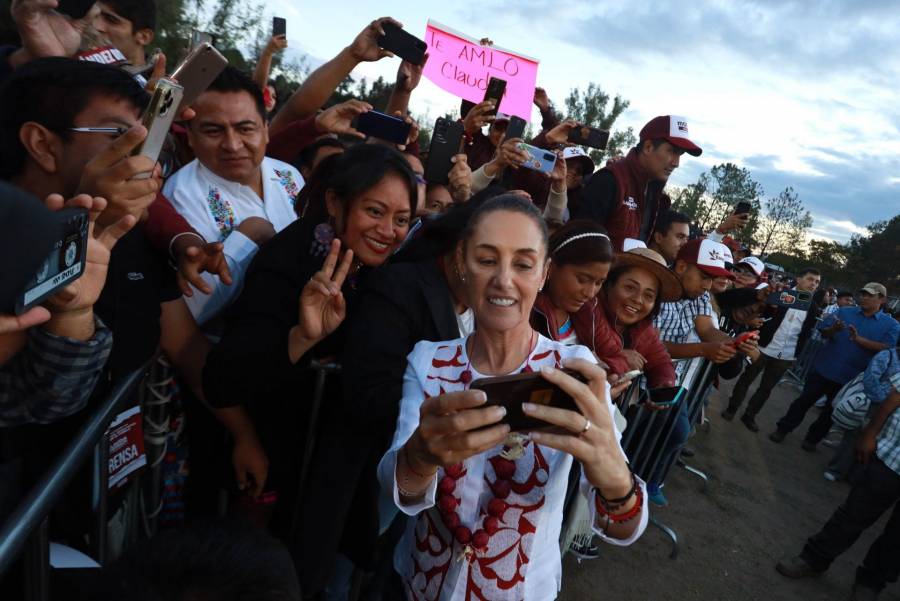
[{"x": 587, "y": 426}]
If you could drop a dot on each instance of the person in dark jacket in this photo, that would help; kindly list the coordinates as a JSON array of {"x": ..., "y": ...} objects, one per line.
[
  {"x": 417, "y": 296},
  {"x": 626, "y": 196},
  {"x": 295, "y": 297},
  {"x": 781, "y": 339}
]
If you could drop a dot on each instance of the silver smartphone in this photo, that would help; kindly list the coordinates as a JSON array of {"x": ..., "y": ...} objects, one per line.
[
  {"x": 198, "y": 69},
  {"x": 158, "y": 118}
]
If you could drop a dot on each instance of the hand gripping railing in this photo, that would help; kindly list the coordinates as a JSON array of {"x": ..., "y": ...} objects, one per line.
[{"x": 27, "y": 528}]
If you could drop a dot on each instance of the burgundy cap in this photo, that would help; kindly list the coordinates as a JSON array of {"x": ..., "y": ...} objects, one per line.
[
  {"x": 710, "y": 257},
  {"x": 674, "y": 130}
]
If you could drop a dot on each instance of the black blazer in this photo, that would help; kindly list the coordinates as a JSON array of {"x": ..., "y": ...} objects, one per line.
[{"x": 398, "y": 305}]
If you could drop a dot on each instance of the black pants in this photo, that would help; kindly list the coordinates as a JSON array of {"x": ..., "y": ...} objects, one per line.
[
  {"x": 877, "y": 488},
  {"x": 816, "y": 385},
  {"x": 772, "y": 370}
]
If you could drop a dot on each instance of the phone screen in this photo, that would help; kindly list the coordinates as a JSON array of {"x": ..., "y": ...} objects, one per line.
[{"x": 386, "y": 127}]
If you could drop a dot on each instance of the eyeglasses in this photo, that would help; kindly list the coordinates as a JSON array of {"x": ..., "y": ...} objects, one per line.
[{"x": 117, "y": 131}]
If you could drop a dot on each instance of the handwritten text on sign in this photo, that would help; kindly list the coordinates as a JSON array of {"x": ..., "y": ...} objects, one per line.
[{"x": 462, "y": 66}]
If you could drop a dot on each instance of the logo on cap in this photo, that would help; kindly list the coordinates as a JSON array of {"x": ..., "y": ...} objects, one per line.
[
  {"x": 682, "y": 126},
  {"x": 715, "y": 255}
]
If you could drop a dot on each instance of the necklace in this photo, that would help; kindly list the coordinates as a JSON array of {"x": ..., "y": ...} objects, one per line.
[{"x": 504, "y": 467}]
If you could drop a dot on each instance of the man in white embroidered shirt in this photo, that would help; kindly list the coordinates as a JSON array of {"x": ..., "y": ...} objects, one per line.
[
  {"x": 781, "y": 339},
  {"x": 232, "y": 192}
]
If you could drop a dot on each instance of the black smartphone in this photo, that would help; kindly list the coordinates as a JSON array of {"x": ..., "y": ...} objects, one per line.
[
  {"x": 445, "y": 141},
  {"x": 385, "y": 127},
  {"x": 402, "y": 43},
  {"x": 792, "y": 299},
  {"x": 511, "y": 391},
  {"x": 64, "y": 265},
  {"x": 742, "y": 208},
  {"x": 279, "y": 26},
  {"x": 516, "y": 127},
  {"x": 496, "y": 88},
  {"x": 589, "y": 136},
  {"x": 75, "y": 8},
  {"x": 666, "y": 397}
]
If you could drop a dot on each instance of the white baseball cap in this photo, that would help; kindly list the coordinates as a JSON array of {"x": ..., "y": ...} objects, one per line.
[
  {"x": 711, "y": 257},
  {"x": 755, "y": 264}
]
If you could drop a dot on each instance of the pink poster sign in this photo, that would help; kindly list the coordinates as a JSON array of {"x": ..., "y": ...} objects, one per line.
[{"x": 460, "y": 65}]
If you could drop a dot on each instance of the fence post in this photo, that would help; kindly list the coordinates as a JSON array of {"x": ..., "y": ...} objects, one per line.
[{"x": 37, "y": 563}]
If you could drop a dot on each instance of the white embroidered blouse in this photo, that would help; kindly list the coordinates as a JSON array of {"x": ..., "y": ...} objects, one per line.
[{"x": 522, "y": 560}]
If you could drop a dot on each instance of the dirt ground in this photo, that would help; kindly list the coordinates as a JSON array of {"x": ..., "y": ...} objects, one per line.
[{"x": 762, "y": 502}]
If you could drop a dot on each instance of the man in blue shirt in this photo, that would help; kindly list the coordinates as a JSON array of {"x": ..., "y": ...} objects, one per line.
[{"x": 854, "y": 335}]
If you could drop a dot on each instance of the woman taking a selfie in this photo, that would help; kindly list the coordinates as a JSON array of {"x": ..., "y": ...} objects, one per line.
[{"x": 477, "y": 493}]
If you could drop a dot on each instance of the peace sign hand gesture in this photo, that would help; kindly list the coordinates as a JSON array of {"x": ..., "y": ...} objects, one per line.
[{"x": 322, "y": 304}]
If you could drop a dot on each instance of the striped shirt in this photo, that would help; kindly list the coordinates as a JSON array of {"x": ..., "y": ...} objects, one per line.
[
  {"x": 675, "y": 321},
  {"x": 52, "y": 377}
]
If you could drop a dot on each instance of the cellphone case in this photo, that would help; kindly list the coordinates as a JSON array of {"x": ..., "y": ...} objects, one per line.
[
  {"x": 63, "y": 265},
  {"x": 792, "y": 299},
  {"x": 666, "y": 397},
  {"x": 516, "y": 127},
  {"x": 158, "y": 118},
  {"x": 589, "y": 136},
  {"x": 445, "y": 140},
  {"x": 511, "y": 391},
  {"x": 496, "y": 88},
  {"x": 75, "y": 8},
  {"x": 402, "y": 43},
  {"x": 385, "y": 127},
  {"x": 541, "y": 160},
  {"x": 199, "y": 68},
  {"x": 279, "y": 26}
]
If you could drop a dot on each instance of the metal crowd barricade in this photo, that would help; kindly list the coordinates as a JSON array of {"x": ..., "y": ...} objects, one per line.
[
  {"x": 798, "y": 372},
  {"x": 27, "y": 528},
  {"x": 322, "y": 370},
  {"x": 649, "y": 431}
]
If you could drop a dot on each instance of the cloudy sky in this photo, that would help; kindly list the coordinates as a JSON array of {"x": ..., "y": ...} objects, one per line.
[{"x": 803, "y": 94}]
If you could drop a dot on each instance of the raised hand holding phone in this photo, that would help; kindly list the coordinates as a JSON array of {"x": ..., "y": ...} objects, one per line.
[
  {"x": 365, "y": 48},
  {"x": 588, "y": 434}
]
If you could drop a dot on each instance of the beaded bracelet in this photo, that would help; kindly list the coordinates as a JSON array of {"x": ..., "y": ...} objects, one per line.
[{"x": 621, "y": 518}]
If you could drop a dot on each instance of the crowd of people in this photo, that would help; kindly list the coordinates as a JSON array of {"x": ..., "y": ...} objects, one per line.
[{"x": 261, "y": 246}]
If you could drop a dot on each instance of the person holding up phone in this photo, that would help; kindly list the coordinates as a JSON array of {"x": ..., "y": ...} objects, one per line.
[
  {"x": 473, "y": 491},
  {"x": 52, "y": 357},
  {"x": 627, "y": 196},
  {"x": 275, "y": 44}
]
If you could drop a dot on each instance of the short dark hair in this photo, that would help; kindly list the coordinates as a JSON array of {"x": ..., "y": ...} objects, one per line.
[
  {"x": 141, "y": 13},
  {"x": 513, "y": 203},
  {"x": 655, "y": 142},
  {"x": 668, "y": 218},
  {"x": 307, "y": 156},
  {"x": 213, "y": 561},
  {"x": 232, "y": 79},
  {"x": 844, "y": 294},
  {"x": 806, "y": 270},
  {"x": 53, "y": 92},
  {"x": 579, "y": 242}
]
